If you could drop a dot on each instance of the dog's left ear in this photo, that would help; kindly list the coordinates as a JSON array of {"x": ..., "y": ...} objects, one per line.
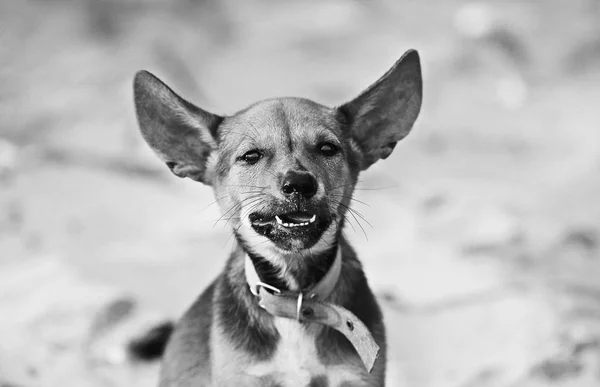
[{"x": 385, "y": 113}]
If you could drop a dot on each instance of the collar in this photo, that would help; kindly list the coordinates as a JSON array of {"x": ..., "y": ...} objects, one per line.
[
  {"x": 320, "y": 291},
  {"x": 311, "y": 308}
]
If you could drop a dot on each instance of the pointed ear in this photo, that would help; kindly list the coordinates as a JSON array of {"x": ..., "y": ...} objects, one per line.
[
  {"x": 385, "y": 113},
  {"x": 181, "y": 134}
]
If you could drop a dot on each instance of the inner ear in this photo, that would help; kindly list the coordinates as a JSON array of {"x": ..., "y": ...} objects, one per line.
[
  {"x": 180, "y": 133},
  {"x": 385, "y": 112}
]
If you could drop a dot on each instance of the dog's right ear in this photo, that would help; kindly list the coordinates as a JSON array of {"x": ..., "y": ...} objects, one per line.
[{"x": 180, "y": 133}]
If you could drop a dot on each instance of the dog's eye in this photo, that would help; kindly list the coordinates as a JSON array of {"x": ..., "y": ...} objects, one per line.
[
  {"x": 328, "y": 149},
  {"x": 251, "y": 157}
]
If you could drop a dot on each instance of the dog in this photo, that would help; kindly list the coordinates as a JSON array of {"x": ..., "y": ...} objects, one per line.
[{"x": 292, "y": 306}]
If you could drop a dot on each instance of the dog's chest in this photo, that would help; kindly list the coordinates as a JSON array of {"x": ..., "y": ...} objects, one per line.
[{"x": 296, "y": 362}]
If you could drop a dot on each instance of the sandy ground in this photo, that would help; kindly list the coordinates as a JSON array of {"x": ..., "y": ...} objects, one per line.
[{"x": 482, "y": 238}]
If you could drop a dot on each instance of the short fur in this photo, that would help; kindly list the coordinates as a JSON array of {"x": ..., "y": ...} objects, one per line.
[{"x": 283, "y": 158}]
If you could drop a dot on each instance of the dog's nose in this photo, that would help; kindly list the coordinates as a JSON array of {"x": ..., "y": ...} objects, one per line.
[{"x": 302, "y": 183}]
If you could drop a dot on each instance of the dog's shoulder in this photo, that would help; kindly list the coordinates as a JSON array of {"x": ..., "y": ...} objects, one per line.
[{"x": 188, "y": 352}]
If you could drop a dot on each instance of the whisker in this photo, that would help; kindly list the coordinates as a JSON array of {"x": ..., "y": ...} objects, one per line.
[
  {"x": 254, "y": 202},
  {"x": 230, "y": 218},
  {"x": 208, "y": 205},
  {"x": 350, "y": 223},
  {"x": 376, "y": 188},
  {"x": 353, "y": 211},
  {"x": 249, "y": 201},
  {"x": 342, "y": 186},
  {"x": 334, "y": 195},
  {"x": 252, "y": 191},
  {"x": 360, "y": 225},
  {"x": 230, "y": 235},
  {"x": 237, "y": 206},
  {"x": 247, "y": 186}
]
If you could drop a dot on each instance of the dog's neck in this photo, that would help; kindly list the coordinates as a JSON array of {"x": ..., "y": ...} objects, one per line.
[
  {"x": 293, "y": 271},
  {"x": 319, "y": 291}
]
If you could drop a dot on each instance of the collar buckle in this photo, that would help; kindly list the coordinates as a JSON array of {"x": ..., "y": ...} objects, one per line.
[
  {"x": 256, "y": 288},
  {"x": 318, "y": 292}
]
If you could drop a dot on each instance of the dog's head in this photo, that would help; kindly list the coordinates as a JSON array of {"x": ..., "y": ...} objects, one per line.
[{"x": 283, "y": 170}]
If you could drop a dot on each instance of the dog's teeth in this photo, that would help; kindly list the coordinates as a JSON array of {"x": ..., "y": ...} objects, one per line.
[{"x": 290, "y": 225}]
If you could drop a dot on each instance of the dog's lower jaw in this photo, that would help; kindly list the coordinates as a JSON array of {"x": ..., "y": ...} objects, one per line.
[{"x": 293, "y": 240}]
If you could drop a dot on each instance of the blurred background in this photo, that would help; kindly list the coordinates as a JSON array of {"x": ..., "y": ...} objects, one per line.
[{"x": 480, "y": 234}]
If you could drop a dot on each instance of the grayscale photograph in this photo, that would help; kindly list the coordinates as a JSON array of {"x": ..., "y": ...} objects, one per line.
[{"x": 302, "y": 193}]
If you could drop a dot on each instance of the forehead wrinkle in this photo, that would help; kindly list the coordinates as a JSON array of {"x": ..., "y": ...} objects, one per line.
[
  {"x": 282, "y": 119},
  {"x": 240, "y": 133},
  {"x": 281, "y": 129},
  {"x": 310, "y": 128},
  {"x": 268, "y": 122}
]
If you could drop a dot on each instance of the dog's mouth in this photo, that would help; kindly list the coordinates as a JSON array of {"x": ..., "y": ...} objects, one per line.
[{"x": 294, "y": 230}]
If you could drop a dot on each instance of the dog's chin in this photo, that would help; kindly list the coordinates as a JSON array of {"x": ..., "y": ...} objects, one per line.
[{"x": 293, "y": 231}]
